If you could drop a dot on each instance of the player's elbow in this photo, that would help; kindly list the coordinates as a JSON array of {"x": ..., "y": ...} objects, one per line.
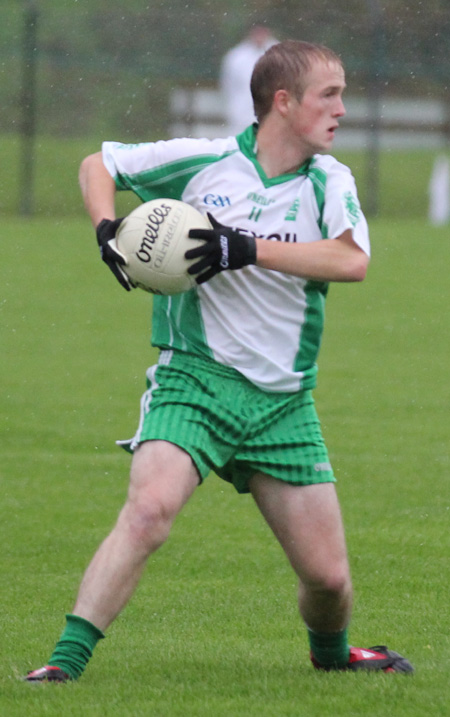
[
  {"x": 88, "y": 163},
  {"x": 357, "y": 266},
  {"x": 84, "y": 170}
]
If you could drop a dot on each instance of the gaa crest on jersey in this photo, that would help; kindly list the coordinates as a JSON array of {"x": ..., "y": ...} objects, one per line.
[
  {"x": 217, "y": 200},
  {"x": 352, "y": 207}
]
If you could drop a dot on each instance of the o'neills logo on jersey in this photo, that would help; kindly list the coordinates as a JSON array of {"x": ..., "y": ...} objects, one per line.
[{"x": 157, "y": 234}]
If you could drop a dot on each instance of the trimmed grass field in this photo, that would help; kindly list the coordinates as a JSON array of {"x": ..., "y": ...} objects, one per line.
[{"x": 213, "y": 628}]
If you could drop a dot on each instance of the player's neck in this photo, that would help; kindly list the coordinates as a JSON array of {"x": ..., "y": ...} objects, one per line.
[{"x": 276, "y": 153}]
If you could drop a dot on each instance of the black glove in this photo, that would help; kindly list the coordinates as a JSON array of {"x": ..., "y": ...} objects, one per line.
[
  {"x": 106, "y": 233},
  {"x": 224, "y": 248}
]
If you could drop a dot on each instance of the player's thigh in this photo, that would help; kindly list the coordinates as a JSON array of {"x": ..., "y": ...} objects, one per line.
[
  {"x": 163, "y": 475},
  {"x": 308, "y": 524}
]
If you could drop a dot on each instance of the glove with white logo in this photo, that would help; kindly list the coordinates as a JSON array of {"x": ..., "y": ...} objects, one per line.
[
  {"x": 223, "y": 248},
  {"x": 106, "y": 233}
]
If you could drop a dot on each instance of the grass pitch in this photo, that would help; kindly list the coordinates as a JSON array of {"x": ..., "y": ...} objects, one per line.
[{"x": 213, "y": 628}]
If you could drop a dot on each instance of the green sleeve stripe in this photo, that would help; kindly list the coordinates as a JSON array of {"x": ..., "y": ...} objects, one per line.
[{"x": 167, "y": 180}]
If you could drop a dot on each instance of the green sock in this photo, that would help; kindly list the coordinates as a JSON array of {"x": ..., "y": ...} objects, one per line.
[
  {"x": 330, "y": 649},
  {"x": 75, "y": 646}
]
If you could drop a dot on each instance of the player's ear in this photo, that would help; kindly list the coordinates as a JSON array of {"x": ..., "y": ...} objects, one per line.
[{"x": 282, "y": 101}]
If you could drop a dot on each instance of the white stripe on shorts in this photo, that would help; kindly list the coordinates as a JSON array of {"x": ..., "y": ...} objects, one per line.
[{"x": 146, "y": 400}]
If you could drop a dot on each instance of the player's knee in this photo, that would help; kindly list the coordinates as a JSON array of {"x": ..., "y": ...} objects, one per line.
[{"x": 148, "y": 523}]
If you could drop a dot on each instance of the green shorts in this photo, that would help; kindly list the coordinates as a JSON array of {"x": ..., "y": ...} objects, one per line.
[{"x": 229, "y": 426}]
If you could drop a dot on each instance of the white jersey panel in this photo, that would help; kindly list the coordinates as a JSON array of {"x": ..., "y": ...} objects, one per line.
[
  {"x": 253, "y": 317},
  {"x": 253, "y": 328}
]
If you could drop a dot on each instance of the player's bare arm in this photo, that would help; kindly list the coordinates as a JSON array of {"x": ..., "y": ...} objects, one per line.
[
  {"x": 337, "y": 259},
  {"x": 98, "y": 189}
]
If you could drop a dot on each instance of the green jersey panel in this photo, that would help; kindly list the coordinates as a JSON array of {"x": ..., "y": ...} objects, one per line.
[{"x": 178, "y": 324}]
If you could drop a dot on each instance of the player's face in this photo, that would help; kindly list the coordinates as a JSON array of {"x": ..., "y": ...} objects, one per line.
[{"x": 314, "y": 119}]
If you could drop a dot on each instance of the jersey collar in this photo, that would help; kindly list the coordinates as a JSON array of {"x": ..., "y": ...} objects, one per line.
[{"x": 248, "y": 144}]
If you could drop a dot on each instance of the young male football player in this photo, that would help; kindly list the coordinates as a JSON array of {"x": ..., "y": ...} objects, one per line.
[{"x": 238, "y": 353}]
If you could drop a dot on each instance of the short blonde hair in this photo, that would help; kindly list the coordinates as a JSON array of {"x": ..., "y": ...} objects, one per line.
[{"x": 284, "y": 66}]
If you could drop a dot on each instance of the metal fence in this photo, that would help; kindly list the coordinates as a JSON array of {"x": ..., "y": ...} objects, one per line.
[{"x": 100, "y": 67}]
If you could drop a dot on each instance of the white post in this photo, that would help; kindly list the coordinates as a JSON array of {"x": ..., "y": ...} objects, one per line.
[{"x": 439, "y": 192}]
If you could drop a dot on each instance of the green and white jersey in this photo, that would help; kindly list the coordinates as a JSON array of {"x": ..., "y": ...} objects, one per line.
[{"x": 265, "y": 324}]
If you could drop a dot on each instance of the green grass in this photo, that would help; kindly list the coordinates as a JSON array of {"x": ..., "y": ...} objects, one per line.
[
  {"x": 55, "y": 171},
  {"x": 213, "y": 628}
]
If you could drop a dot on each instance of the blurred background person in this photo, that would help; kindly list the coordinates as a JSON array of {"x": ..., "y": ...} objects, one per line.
[{"x": 235, "y": 73}]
